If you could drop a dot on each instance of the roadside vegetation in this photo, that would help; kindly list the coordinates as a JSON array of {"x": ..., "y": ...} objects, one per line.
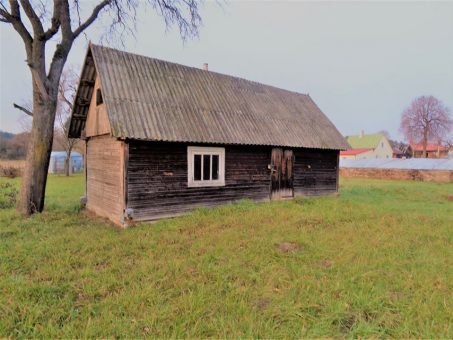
[{"x": 376, "y": 261}]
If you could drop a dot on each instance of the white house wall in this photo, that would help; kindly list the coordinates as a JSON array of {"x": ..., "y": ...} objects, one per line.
[
  {"x": 365, "y": 155},
  {"x": 383, "y": 150}
]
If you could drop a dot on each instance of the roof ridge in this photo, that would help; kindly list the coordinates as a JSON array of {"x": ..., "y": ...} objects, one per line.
[
  {"x": 197, "y": 69},
  {"x": 183, "y": 98},
  {"x": 367, "y": 134}
]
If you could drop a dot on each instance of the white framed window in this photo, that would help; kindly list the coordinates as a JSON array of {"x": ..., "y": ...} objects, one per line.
[{"x": 206, "y": 166}]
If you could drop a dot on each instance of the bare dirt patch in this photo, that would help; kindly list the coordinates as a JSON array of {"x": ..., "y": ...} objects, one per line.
[
  {"x": 289, "y": 247},
  {"x": 191, "y": 271},
  {"x": 102, "y": 265},
  {"x": 325, "y": 263},
  {"x": 262, "y": 303}
]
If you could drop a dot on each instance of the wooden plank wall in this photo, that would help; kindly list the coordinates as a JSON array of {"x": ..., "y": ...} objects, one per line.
[
  {"x": 315, "y": 172},
  {"x": 105, "y": 177},
  {"x": 157, "y": 179},
  {"x": 97, "y": 120}
]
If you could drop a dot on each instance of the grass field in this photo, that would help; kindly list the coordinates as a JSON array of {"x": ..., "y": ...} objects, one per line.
[{"x": 377, "y": 261}]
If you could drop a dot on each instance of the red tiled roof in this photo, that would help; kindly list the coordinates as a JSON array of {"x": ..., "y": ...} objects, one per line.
[
  {"x": 429, "y": 147},
  {"x": 353, "y": 152}
]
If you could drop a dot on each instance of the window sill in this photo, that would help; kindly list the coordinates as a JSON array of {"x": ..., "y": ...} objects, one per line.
[{"x": 205, "y": 184}]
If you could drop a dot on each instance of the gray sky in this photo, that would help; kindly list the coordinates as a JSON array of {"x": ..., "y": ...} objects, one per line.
[{"x": 362, "y": 62}]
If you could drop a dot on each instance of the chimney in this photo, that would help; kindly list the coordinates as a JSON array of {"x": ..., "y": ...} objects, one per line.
[
  {"x": 362, "y": 133},
  {"x": 205, "y": 67}
]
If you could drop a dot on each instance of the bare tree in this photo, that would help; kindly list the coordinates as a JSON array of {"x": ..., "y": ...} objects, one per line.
[
  {"x": 36, "y": 24},
  {"x": 25, "y": 121},
  {"x": 426, "y": 119},
  {"x": 25, "y": 109},
  {"x": 66, "y": 93},
  {"x": 449, "y": 142}
]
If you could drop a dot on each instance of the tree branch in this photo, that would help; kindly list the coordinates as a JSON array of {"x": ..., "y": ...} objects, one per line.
[
  {"x": 21, "y": 108},
  {"x": 63, "y": 96},
  {"x": 34, "y": 18},
  {"x": 92, "y": 17},
  {"x": 55, "y": 21},
  {"x": 14, "y": 19},
  {"x": 65, "y": 21},
  {"x": 40, "y": 84},
  {"x": 5, "y": 16}
]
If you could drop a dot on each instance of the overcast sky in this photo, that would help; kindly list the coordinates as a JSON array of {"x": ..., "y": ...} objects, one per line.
[{"x": 362, "y": 62}]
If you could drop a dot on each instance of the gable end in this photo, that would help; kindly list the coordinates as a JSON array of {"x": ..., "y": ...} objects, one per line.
[{"x": 83, "y": 97}]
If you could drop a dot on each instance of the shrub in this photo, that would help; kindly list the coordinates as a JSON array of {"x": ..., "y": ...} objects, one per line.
[
  {"x": 8, "y": 195},
  {"x": 10, "y": 171}
]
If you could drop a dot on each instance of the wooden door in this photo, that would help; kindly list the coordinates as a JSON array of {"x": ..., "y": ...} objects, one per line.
[{"x": 282, "y": 175}]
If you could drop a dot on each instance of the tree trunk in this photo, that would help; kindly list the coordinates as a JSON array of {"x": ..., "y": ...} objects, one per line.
[
  {"x": 45, "y": 96},
  {"x": 66, "y": 165},
  {"x": 38, "y": 156},
  {"x": 425, "y": 142}
]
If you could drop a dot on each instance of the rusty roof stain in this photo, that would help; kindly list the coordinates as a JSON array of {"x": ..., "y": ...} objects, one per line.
[{"x": 151, "y": 99}]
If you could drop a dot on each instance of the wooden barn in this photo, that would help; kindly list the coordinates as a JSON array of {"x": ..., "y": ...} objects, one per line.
[{"x": 163, "y": 138}]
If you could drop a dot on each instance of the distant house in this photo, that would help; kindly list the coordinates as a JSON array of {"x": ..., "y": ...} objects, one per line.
[
  {"x": 359, "y": 153},
  {"x": 163, "y": 138},
  {"x": 397, "y": 153},
  {"x": 57, "y": 160},
  {"x": 433, "y": 150},
  {"x": 368, "y": 147}
]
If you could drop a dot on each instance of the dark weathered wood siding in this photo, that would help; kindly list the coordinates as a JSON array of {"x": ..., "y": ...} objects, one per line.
[
  {"x": 315, "y": 172},
  {"x": 157, "y": 177}
]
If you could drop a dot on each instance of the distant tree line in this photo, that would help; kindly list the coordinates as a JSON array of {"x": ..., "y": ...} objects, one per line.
[{"x": 13, "y": 146}]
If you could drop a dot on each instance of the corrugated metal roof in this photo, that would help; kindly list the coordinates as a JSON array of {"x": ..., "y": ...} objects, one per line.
[
  {"x": 156, "y": 100},
  {"x": 396, "y": 163}
]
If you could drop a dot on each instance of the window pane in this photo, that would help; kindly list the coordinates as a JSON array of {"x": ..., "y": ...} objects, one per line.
[
  {"x": 215, "y": 167},
  {"x": 197, "y": 168},
  {"x": 99, "y": 99},
  {"x": 206, "y": 167}
]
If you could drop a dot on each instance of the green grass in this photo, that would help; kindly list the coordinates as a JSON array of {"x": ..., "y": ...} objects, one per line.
[{"x": 377, "y": 261}]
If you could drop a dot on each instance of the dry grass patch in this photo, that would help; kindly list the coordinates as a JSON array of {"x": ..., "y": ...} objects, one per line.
[
  {"x": 11, "y": 168},
  {"x": 289, "y": 247}
]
